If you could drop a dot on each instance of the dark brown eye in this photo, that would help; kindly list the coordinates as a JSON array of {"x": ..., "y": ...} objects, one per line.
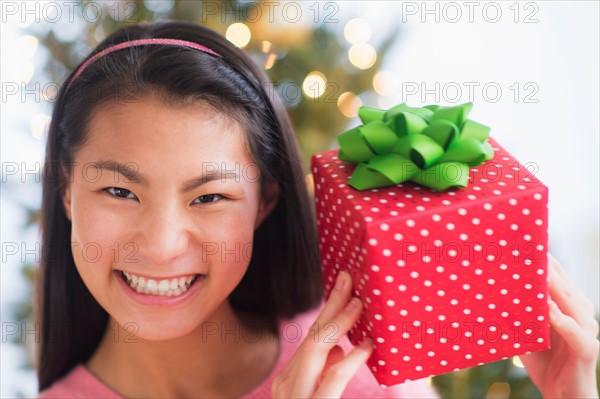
[
  {"x": 207, "y": 198},
  {"x": 118, "y": 192}
]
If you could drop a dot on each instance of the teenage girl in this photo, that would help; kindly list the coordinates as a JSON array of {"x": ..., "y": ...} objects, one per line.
[{"x": 179, "y": 240}]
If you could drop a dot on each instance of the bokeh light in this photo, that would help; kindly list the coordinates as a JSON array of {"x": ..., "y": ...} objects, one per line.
[
  {"x": 49, "y": 93},
  {"x": 385, "y": 83},
  {"x": 517, "y": 362},
  {"x": 266, "y": 46},
  {"x": 238, "y": 34},
  {"x": 362, "y": 55},
  {"x": 357, "y": 31},
  {"x": 314, "y": 84},
  {"x": 310, "y": 183},
  {"x": 270, "y": 61},
  {"x": 349, "y": 103}
]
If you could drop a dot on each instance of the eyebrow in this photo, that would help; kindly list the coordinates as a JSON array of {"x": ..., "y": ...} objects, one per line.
[{"x": 129, "y": 171}]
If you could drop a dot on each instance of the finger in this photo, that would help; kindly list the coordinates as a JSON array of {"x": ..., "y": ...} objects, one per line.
[
  {"x": 555, "y": 266},
  {"x": 314, "y": 350},
  {"x": 589, "y": 325},
  {"x": 573, "y": 334},
  {"x": 329, "y": 333},
  {"x": 335, "y": 355},
  {"x": 306, "y": 366},
  {"x": 586, "y": 302},
  {"x": 341, "y": 373},
  {"x": 568, "y": 299},
  {"x": 338, "y": 298}
]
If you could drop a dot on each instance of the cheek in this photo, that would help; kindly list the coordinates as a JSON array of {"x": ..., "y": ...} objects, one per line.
[
  {"x": 228, "y": 247},
  {"x": 231, "y": 246},
  {"x": 94, "y": 240}
]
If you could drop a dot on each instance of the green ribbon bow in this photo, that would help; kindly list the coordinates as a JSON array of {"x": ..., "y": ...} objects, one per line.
[{"x": 433, "y": 146}]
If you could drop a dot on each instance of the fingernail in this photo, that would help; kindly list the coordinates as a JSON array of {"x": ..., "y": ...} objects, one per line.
[
  {"x": 352, "y": 305},
  {"x": 341, "y": 281}
]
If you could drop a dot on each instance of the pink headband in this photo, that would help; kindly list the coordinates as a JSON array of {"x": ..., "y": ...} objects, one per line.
[{"x": 140, "y": 42}]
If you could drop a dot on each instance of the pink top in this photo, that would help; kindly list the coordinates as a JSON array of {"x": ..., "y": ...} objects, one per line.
[{"x": 81, "y": 383}]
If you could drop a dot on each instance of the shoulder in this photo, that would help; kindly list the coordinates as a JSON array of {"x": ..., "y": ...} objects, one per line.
[
  {"x": 78, "y": 383},
  {"x": 363, "y": 385}
]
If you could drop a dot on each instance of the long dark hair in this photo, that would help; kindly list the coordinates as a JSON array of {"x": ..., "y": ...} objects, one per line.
[{"x": 283, "y": 278}]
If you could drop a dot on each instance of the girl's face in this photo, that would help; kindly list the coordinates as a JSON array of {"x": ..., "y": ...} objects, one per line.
[{"x": 163, "y": 239}]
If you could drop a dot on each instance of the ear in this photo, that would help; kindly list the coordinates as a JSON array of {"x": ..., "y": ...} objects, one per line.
[
  {"x": 66, "y": 199},
  {"x": 267, "y": 203}
]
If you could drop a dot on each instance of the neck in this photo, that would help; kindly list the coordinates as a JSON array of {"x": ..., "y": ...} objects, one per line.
[{"x": 221, "y": 357}]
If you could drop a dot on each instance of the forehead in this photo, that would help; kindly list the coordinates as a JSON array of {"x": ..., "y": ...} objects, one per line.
[{"x": 157, "y": 134}]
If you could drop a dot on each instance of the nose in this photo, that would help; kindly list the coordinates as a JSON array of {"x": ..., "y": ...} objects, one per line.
[{"x": 163, "y": 234}]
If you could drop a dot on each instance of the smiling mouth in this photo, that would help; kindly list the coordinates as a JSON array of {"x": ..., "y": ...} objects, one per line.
[{"x": 162, "y": 287}]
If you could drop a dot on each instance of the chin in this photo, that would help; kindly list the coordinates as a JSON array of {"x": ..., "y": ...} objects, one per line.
[{"x": 158, "y": 327}]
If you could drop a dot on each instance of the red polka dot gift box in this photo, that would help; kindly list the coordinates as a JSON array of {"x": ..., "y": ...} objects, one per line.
[{"x": 450, "y": 277}]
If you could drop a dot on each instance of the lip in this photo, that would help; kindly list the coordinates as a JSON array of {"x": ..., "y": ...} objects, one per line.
[
  {"x": 158, "y": 300},
  {"x": 157, "y": 277}
]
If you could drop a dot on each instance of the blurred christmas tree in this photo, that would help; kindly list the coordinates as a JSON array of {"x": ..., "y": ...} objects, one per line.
[
  {"x": 320, "y": 74},
  {"x": 303, "y": 54}
]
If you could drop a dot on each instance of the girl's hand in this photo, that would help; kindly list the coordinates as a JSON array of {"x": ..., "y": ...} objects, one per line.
[
  {"x": 319, "y": 367},
  {"x": 568, "y": 369}
]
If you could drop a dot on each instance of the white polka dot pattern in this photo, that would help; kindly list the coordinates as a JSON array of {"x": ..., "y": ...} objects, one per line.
[{"x": 450, "y": 279}]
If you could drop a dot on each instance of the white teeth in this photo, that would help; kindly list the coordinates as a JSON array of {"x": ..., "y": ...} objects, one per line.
[
  {"x": 151, "y": 285},
  {"x": 167, "y": 287},
  {"x": 164, "y": 285}
]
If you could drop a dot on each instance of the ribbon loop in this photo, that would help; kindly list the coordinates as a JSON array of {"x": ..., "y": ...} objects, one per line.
[
  {"x": 379, "y": 136},
  {"x": 369, "y": 114},
  {"x": 456, "y": 115},
  {"x": 420, "y": 149},
  {"x": 353, "y": 148},
  {"x": 395, "y": 167},
  {"x": 433, "y": 146},
  {"x": 443, "y": 132},
  {"x": 406, "y": 123}
]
